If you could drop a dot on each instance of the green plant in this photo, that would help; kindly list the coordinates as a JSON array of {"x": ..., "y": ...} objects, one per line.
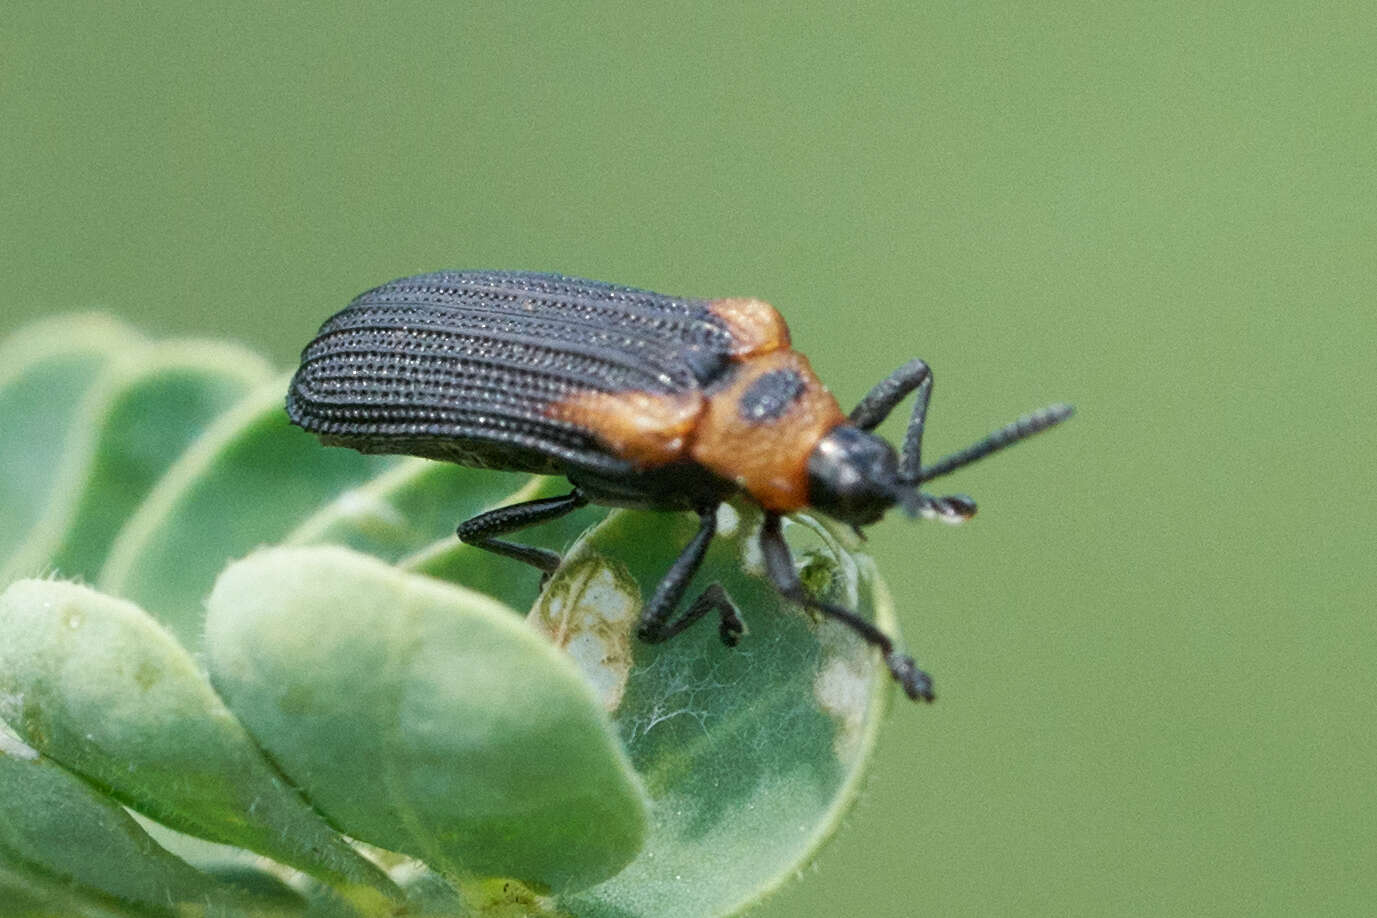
[{"x": 354, "y": 717}]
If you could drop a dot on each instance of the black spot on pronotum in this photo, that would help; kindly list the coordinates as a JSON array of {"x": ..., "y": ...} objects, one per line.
[{"x": 770, "y": 396}]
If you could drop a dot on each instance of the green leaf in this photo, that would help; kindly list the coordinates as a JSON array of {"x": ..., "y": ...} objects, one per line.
[
  {"x": 424, "y": 718},
  {"x": 274, "y": 889},
  {"x": 750, "y": 754},
  {"x": 45, "y": 370},
  {"x": 244, "y": 483},
  {"x": 149, "y": 417},
  {"x": 94, "y": 684},
  {"x": 130, "y": 426},
  {"x": 407, "y": 508},
  {"x": 55, "y": 821},
  {"x": 30, "y": 893}
]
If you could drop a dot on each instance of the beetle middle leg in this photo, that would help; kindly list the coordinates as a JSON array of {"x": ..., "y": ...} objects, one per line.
[
  {"x": 655, "y": 625},
  {"x": 779, "y": 565},
  {"x": 481, "y": 530}
]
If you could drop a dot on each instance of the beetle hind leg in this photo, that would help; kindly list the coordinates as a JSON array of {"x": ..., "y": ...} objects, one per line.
[
  {"x": 779, "y": 565},
  {"x": 481, "y": 531}
]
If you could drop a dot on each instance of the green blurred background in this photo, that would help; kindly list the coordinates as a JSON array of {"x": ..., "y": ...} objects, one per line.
[{"x": 1155, "y": 646}]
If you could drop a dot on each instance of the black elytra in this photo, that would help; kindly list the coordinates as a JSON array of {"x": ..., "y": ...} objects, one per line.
[{"x": 641, "y": 400}]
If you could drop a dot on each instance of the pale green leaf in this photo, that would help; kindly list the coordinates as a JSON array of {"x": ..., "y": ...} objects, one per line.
[
  {"x": 55, "y": 821},
  {"x": 96, "y": 685},
  {"x": 274, "y": 887},
  {"x": 405, "y": 509},
  {"x": 130, "y": 426},
  {"x": 45, "y": 371},
  {"x": 28, "y": 892},
  {"x": 246, "y": 482},
  {"x": 424, "y": 718}
]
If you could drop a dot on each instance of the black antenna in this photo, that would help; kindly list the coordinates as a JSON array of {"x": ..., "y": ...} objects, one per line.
[{"x": 1006, "y": 436}]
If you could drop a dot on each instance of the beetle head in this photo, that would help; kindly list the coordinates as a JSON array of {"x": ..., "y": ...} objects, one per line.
[{"x": 853, "y": 476}]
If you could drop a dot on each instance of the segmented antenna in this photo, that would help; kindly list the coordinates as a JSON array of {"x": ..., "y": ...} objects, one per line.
[{"x": 1006, "y": 436}]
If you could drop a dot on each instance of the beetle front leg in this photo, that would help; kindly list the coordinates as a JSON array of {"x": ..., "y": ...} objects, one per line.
[
  {"x": 887, "y": 394},
  {"x": 655, "y": 625},
  {"x": 876, "y": 406},
  {"x": 779, "y": 565}
]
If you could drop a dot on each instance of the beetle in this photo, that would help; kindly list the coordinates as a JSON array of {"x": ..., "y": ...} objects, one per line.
[{"x": 640, "y": 400}]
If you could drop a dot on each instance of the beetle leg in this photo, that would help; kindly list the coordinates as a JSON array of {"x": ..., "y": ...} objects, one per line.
[
  {"x": 779, "y": 565},
  {"x": 713, "y": 599},
  {"x": 886, "y": 395},
  {"x": 655, "y": 625},
  {"x": 480, "y": 531}
]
